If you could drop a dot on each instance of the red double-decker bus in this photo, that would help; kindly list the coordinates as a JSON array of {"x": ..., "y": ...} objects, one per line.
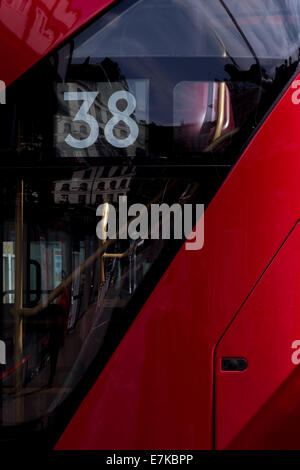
[{"x": 148, "y": 342}]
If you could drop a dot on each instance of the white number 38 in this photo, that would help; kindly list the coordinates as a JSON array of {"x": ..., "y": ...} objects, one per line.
[{"x": 88, "y": 98}]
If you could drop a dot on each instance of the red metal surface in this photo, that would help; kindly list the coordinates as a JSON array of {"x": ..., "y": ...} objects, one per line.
[
  {"x": 276, "y": 425},
  {"x": 156, "y": 391},
  {"x": 263, "y": 332},
  {"x": 29, "y": 29}
]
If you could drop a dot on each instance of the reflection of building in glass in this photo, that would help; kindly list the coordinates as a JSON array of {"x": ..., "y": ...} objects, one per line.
[
  {"x": 94, "y": 186},
  {"x": 67, "y": 110},
  {"x": 38, "y": 24}
]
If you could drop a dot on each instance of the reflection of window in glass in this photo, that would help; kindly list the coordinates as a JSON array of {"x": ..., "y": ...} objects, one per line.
[
  {"x": 105, "y": 172},
  {"x": 67, "y": 128},
  {"x": 113, "y": 184},
  {"x": 8, "y": 272},
  {"x": 83, "y": 130},
  {"x": 99, "y": 199},
  {"x": 65, "y": 187},
  {"x": 123, "y": 184},
  {"x": 83, "y": 187},
  {"x": 101, "y": 185},
  {"x": 87, "y": 174},
  {"x": 118, "y": 171}
]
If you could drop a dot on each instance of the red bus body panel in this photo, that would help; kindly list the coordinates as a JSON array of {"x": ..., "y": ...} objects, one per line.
[
  {"x": 30, "y": 29},
  {"x": 156, "y": 392},
  {"x": 263, "y": 332}
]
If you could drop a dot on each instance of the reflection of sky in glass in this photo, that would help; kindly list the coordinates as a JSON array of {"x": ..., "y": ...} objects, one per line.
[
  {"x": 154, "y": 28},
  {"x": 191, "y": 28},
  {"x": 271, "y": 26}
]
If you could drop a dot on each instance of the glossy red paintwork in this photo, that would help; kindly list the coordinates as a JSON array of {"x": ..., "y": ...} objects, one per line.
[
  {"x": 156, "y": 391},
  {"x": 276, "y": 425},
  {"x": 29, "y": 29},
  {"x": 263, "y": 332}
]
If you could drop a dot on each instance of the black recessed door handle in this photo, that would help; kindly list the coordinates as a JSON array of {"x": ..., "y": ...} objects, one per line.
[{"x": 234, "y": 364}]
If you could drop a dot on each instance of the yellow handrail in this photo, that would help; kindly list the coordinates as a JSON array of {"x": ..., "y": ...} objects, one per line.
[{"x": 221, "y": 110}]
